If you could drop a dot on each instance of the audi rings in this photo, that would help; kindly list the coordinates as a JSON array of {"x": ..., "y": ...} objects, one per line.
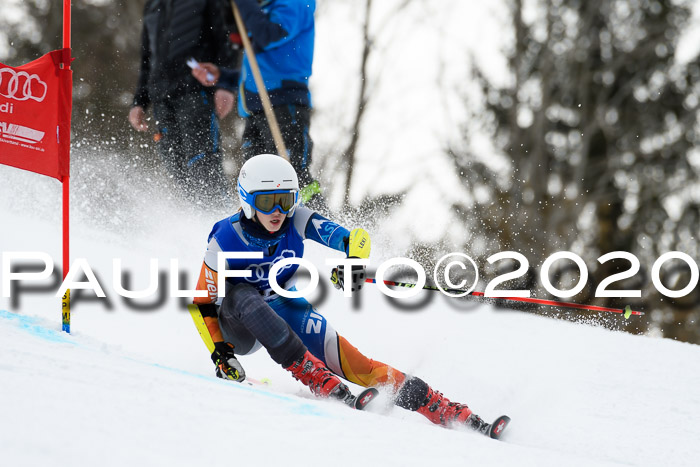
[{"x": 21, "y": 86}]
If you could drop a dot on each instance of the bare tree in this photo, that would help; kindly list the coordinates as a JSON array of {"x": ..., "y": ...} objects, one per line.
[{"x": 367, "y": 80}]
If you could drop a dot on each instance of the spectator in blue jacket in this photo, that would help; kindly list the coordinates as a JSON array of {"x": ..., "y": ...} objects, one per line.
[{"x": 282, "y": 35}]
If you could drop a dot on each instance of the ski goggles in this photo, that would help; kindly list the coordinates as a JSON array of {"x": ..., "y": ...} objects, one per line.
[{"x": 268, "y": 202}]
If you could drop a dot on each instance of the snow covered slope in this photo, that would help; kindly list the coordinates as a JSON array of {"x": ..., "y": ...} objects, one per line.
[
  {"x": 136, "y": 386},
  {"x": 577, "y": 395}
]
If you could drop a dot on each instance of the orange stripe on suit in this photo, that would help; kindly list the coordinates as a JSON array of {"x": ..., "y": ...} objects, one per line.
[{"x": 365, "y": 371}]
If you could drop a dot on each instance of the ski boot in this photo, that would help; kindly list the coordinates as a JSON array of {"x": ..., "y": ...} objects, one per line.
[
  {"x": 438, "y": 409},
  {"x": 433, "y": 405},
  {"x": 323, "y": 383},
  {"x": 441, "y": 411}
]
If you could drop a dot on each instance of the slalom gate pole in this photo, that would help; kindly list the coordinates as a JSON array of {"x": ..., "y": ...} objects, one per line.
[
  {"x": 260, "y": 84},
  {"x": 627, "y": 311},
  {"x": 65, "y": 182}
]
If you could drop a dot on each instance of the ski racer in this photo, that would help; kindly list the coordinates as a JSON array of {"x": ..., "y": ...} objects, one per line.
[{"x": 274, "y": 225}]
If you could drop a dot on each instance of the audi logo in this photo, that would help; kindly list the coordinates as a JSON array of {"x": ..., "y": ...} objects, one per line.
[
  {"x": 21, "y": 86},
  {"x": 260, "y": 271}
]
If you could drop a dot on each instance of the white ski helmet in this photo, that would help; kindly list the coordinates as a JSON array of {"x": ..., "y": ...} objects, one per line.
[{"x": 266, "y": 172}]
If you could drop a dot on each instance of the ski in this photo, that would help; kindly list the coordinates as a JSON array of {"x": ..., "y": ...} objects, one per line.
[
  {"x": 498, "y": 426},
  {"x": 265, "y": 382},
  {"x": 358, "y": 402},
  {"x": 364, "y": 398}
]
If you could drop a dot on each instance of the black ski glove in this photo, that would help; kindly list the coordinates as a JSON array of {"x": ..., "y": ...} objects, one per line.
[
  {"x": 227, "y": 366},
  {"x": 357, "y": 277},
  {"x": 357, "y": 245}
]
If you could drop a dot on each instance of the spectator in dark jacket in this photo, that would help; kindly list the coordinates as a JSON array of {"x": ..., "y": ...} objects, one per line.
[{"x": 186, "y": 113}]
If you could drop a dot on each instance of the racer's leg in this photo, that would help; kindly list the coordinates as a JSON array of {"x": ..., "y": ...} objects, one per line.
[
  {"x": 345, "y": 360},
  {"x": 243, "y": 304},
  {"x": 337, "y": 353},
  {"x": 244, "y": 316}
]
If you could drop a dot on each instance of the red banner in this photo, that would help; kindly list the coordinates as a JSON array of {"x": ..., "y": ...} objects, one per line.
[{"x": 35, "y": 111}]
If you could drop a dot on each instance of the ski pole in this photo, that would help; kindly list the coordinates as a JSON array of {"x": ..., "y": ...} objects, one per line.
[{"x": 627, "y": 311}]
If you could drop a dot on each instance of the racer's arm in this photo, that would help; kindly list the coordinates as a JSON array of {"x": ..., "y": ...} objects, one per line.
[
  {"x": 208, "y": 280},
  {"x": 227, "y": 366},
  {"x": 207, "y": 305},
  {"x": 313, "y": 226},
  {"x": 355, "y": 243}
]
